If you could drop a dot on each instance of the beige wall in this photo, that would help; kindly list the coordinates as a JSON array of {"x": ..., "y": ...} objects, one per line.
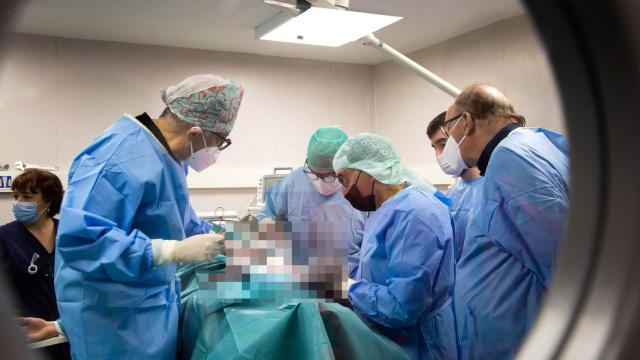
[
  {"x": 57, "y": 94},
  {"x": 506, "y": 54}
]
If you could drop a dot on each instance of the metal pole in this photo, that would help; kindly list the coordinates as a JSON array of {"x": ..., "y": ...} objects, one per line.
[{"x": 411, "y": 65}]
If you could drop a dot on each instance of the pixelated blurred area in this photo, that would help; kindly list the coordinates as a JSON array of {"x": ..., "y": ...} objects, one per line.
[
  {"x": 281, "y": 262},
  {"x": 278, "y": 294}
]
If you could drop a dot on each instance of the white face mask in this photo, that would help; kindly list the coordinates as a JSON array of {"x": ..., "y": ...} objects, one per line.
[
  {"x": 324, "y": 188},
  {"x": 204, "y": 157},
  {"x": 450, "y": 160}
]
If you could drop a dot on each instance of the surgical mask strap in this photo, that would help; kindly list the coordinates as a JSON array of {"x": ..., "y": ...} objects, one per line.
[
  {"x": 373, "y": 185},
  {"x": 464, "y": 137},
  {"x": 372, "y": 195},
  {"x": 457, "y": 122},
  {"x": 204, "y": 140},
  {"x": 41, "y": 212},
  {"x": 357, "y": 179},
  {"x": 453, "y": 127}
]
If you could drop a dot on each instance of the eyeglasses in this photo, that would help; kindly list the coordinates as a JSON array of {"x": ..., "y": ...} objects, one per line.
[
  {"x": 329, "y": 178},
  {"x": 342, "y": 180},
  {"x": 226, "y": 142},
  {"x": 444, "y": 124}
]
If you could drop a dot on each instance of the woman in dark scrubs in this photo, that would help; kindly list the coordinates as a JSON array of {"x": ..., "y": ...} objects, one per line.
[{"x": 27, "y": 248}]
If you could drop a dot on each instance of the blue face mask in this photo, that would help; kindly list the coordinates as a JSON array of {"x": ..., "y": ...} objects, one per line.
[{"x": 26, "y": 212}]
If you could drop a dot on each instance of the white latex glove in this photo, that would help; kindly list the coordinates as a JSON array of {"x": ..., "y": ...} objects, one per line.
[
  {"x": 350, "y": 282},
  {"x": 192, "y": 250}
]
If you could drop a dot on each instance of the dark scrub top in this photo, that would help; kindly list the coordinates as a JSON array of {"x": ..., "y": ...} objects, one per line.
[{"x": 34, "y": 294}]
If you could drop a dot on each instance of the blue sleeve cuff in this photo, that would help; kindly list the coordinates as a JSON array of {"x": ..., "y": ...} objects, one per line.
[{"x": 362, "y": 296}]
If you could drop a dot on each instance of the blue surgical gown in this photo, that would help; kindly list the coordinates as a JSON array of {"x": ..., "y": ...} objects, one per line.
[
  {"x": 124, "y": 190},
  {"x": 465, "y": 196},
  {"x": 406, "y": 276},
  {"x": 295, "y": 199},
  {"x": 511, "y": 244}
]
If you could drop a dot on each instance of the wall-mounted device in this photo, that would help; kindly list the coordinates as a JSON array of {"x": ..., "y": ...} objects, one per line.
[{"x": 264, "y": 184}]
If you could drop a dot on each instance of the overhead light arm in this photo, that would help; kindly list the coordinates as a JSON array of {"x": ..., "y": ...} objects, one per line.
[
  {"x": 297, "y": 8},
  {"x": 286, "y": 26},
  {"x": 397, "y": 56},
  {"x": 340, "y": 4},
  {"x": 411, "y": 65}
]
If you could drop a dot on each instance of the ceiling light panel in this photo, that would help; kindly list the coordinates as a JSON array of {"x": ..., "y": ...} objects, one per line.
[{"x": 324, "y": 27}]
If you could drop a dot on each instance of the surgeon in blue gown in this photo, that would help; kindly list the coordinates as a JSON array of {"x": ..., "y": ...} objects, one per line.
[
  {"x": 465, "y": 196},
  {"x": 126, "y": 221},
  {"x": 512, "y": 243},
  {"x": 404, "y": 285},
  {"x": 310, "y": 193},
  {"x": 466, "y": 193}
]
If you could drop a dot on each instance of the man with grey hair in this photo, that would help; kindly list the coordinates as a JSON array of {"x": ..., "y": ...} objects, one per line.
[
  {"x": 126, "y": 221},
  {"x": 512, "y": 241}
]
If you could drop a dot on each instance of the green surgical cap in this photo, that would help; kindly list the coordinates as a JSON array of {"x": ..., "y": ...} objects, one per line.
[
  {"x": 373, "y": 154},
  {"x": 323, "y": 146}
]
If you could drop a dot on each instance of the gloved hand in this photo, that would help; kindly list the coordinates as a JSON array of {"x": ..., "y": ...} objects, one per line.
[{"x": 193, "y": 250}]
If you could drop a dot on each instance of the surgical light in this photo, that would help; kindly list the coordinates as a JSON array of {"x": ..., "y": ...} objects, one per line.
[{"x": 322, "y": 26}]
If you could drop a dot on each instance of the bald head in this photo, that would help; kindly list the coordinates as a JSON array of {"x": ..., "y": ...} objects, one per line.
[
  {"x": 484, "y": 102},
  {"x": 477, "y": 115}
]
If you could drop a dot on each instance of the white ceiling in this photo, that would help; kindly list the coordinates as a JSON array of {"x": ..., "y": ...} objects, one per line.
[{"x": 228, "y": 25}]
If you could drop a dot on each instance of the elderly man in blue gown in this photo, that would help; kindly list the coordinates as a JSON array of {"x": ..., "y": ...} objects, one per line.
[{"x": 511, "y": 244}]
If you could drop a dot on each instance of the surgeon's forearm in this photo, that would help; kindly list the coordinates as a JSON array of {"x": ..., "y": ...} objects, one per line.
[
  {"x": 105, "y": 251},
  {"x": 195, "y": 225},
  {"x": 379, "y": 304}
]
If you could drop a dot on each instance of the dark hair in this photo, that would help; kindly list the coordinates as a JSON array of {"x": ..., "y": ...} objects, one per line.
[
  {"x": 42, "y": 182},
  {"x": 436, "y": 124},
  {"x": 484, "y": 101}
]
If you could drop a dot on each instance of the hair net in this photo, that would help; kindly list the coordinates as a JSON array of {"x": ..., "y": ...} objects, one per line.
[
  {"x": 207, "y": 101},
  {"x": 323, "y": 145},
  {"x": 375, "y": 155}
]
